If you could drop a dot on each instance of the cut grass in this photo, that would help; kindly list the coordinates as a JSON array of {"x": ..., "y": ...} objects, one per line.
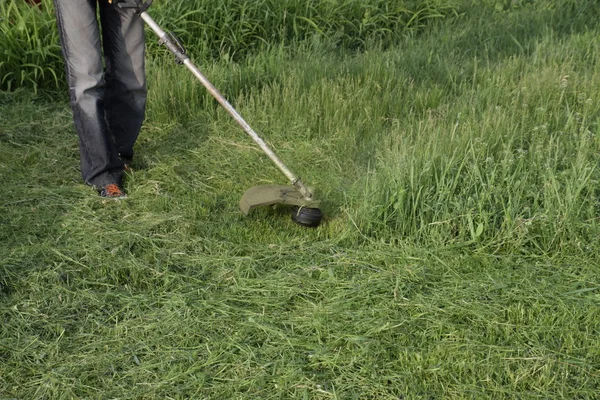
[{"x": 174, "y": 294}]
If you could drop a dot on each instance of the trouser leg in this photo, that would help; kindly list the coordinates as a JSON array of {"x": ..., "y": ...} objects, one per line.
[
  {"x": 80, "y": 40},
  {"x": 125, "y": 92}
]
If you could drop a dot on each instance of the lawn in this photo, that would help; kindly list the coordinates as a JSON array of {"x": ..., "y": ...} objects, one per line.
[{"x": 458, "y": 170}]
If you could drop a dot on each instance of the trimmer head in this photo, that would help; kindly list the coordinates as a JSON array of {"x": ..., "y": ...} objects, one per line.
[{"x": 305, "y": 212}]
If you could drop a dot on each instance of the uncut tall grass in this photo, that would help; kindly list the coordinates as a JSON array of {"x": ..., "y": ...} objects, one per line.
[
  {"x": 30, "y": 53},
  {"x": 29, "y": 47}
]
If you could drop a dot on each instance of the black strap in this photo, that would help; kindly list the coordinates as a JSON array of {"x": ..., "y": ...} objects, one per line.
[
  {"x": 145, "y": 5},
  {"x": 138, "y": 5}
]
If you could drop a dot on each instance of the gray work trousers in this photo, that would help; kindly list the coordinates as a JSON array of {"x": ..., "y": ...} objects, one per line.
[{"x": 104, "y": 63}]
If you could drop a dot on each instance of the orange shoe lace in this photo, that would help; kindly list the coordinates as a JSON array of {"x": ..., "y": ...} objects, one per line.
[{"x": 113, "y": 190}]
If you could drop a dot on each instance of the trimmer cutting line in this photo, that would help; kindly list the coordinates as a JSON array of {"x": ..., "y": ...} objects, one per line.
[{"x": 305, "y": 209}]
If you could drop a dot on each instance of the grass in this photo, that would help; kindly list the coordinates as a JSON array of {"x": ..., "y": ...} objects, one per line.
[
  {"x": 230, "y": 29},
  {"x": 235, "y": 28},
  {"x": 30, "y": 52},
  {"x": 459, "y": 259}
]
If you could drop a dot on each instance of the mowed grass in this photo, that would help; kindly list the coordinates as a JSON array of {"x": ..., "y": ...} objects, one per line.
[{"x": 459, "y": 172}]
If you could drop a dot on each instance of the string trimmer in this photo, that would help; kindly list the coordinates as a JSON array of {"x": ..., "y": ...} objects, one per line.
[{"x": 305, "y": 209}]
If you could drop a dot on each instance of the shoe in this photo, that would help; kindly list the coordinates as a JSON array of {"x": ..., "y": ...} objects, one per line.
[{"x": 112, "y": 191}]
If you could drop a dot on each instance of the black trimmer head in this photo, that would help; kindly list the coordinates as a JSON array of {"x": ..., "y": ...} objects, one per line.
[{"x": 307, "y": 216}]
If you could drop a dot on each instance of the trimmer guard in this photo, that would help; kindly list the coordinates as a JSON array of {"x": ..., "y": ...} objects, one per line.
[{"x": 267, "y": 195}]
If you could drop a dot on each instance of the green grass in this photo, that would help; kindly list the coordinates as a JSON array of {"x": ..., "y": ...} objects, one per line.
[
  {"x": 459, "y": 172},
  {"x": 237, "y": 28},
  {"x": 30, "y": 51},
  {"x": 232, "y": 29}
]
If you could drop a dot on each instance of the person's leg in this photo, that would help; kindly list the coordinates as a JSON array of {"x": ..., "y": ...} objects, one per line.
[
  {"x": 125, "y": 96},
  {"x": 80, "y": 41}
]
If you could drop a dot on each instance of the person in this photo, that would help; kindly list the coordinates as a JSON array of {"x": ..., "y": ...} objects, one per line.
[{"x": 104, "y": 65}]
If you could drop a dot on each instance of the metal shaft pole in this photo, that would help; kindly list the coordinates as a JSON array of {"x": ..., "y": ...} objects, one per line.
[{"x": 167, "y": 40}]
